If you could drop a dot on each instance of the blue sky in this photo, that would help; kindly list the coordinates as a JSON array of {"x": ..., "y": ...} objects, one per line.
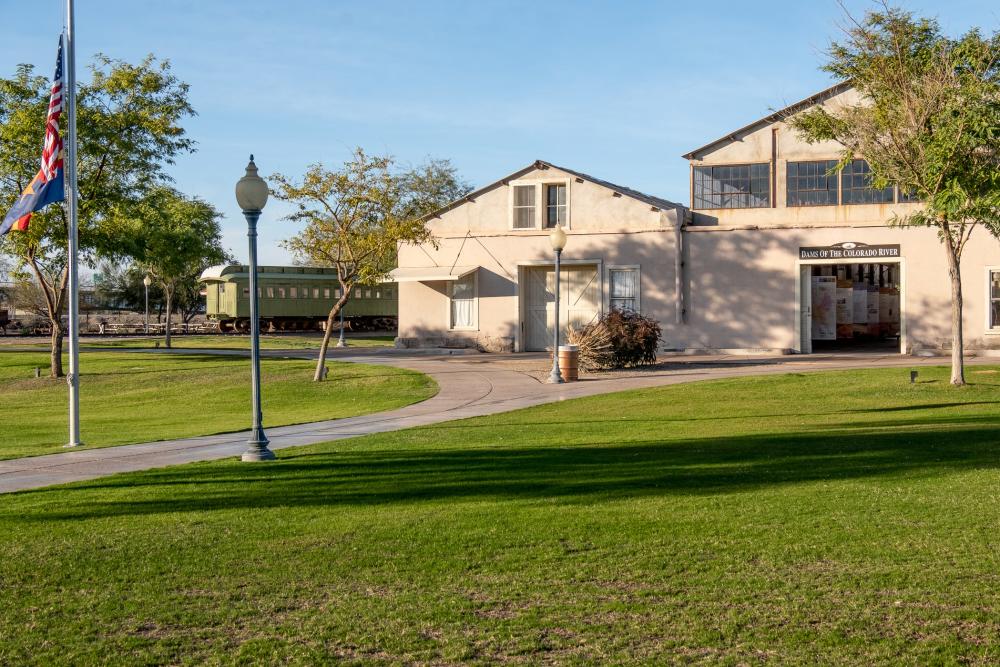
[{"x": 616, "y": 89}]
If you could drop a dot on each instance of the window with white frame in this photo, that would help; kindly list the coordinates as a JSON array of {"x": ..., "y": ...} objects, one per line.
[
  {"x": 463, "y": 302},
  {"x": 524, "y": 207},
  {"x": 555, "y": 204},
  {"x": 994, "y": 296},
  {"x": 624, "y": 288}
]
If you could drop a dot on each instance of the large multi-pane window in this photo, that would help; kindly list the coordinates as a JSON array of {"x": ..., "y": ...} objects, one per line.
[
  {"x": 463, "y": 297},
  {"x": 555, "y": 205},
  {"x": 732, "y": 186},
  {"x": 856, "y": 185},
  {"x": 624, "y": 293},
  {"x": 995, "y": 299},
  {"x": 524, "y": 206},
  {"x": 812, "y": 183}
]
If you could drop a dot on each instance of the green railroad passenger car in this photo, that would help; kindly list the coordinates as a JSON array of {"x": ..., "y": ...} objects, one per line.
[{"x": 294, "y": 298}]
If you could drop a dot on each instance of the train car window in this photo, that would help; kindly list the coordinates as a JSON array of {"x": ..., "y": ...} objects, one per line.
[
  {"x": 357, "y": 294},
  {"x": 270, "y": 292},
  {"x": 246, "y": 291},
  {"x": 315, "y": 292},
  {"x": 368, "y": 294},
  {"x": 388, "y": 294},
  {"x": 378, "y": 294},
  {"x": 326, "y": 292},
  {"x": 293, "y": 293},
  {"x": 281, "y": 292},
  {"x": 260, "y": 292}
]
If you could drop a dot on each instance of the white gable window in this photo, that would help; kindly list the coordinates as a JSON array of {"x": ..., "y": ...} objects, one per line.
[
  {"x": 463, "y": 302},
  {"x": 624, "y": 287},
  {"x": 524, "y": 207},
  {"x": 555, "y": 204},
  {"x": 539, "y": 205}
]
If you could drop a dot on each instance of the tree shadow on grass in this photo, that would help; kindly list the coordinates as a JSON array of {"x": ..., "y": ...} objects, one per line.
[{"x": 574, "y": 472}]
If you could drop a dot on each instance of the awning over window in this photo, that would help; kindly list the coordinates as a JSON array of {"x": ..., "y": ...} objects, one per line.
[{"x": 430, "y": 273}]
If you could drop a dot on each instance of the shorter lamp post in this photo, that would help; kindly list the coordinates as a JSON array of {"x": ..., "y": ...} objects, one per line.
[
  {"x": 341, "y": 342},
  {"x": 147, "y": 281},
  {"x": 251, "y": 195},
  {"x": 558, "y": 240}
]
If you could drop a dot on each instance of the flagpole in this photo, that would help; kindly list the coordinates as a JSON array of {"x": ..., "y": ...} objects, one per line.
[{"x": 73, "y": 379}]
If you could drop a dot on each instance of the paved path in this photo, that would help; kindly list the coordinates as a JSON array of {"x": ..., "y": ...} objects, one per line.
[{"x": 470, "y": 386}]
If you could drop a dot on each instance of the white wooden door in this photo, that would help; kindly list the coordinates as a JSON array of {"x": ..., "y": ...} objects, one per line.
[{"x": 579, "y": 302}]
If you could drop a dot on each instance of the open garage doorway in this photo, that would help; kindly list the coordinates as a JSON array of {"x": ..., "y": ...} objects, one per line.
[{"x": 851, "y": 307}]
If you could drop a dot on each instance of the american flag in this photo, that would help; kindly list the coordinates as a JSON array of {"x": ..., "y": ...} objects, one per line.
[
  {"x": 47, "y": 187},
  {"x": 52, "y": 152}
]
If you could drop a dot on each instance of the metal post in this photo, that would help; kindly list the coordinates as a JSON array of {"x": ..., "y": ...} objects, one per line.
[
  {"x": 555, "y": 377},
  {"x": 257, "y": 445},
  {"x": 341, "y": 342},
  {"x": 147, "y": 307},
  {"x": 73, "y": 378}
]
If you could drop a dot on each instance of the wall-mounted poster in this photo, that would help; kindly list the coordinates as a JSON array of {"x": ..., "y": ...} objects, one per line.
[
  {"x": 824, "y": 308},
  {"x": 845, "y": 308}
]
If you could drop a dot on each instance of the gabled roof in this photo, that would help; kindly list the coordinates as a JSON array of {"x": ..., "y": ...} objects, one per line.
[
  {"x": 780, "y": 114},
  {"x": 652, "y": 200}
]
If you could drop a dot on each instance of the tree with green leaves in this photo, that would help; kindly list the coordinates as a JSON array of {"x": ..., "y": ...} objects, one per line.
[
  {"x": 927, "y": 121},
  {"x": 128, "y": 126},
  {"x": 357, "y": 216},
  {"x": 179, "y": 237}
]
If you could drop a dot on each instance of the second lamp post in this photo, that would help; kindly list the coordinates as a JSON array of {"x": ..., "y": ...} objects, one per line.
[
  {"x": 147, "y": 281},
  {"x": 558, "y": 240},
  {"x": 251, "y": 195}
]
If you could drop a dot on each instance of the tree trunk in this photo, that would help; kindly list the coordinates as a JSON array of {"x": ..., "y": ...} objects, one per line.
[
  {"x": 327, "y": 331},
  {"x": 170, "y": 307},
  {"x": 55, "y": 353},
  {"x": 957, "y": 344}
]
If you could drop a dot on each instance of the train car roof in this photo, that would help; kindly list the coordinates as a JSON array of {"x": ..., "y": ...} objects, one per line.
[{"x": 228, "y": 271}]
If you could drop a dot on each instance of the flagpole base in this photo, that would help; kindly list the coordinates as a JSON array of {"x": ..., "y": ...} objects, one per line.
[{"x": 70, "y": 445}]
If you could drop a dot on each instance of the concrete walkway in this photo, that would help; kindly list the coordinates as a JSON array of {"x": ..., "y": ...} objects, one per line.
[{"x": 470, "y": 386}]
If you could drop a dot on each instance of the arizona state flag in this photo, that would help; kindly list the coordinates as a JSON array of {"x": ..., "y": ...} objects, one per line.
[{"x": 47, "y": 187}]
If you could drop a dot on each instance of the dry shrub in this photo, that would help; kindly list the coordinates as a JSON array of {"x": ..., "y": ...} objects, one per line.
[
  {"x": 621, "y": 338},
  {"x": 634, "y": 337},
  {"x": 594, "y": 343}
]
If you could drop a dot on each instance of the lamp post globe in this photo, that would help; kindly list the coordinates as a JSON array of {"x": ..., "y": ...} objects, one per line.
[
  {"x": 251, "y": 195},
  {"x": 251, "y": 190},
  {"x": 558, "y": 240}
]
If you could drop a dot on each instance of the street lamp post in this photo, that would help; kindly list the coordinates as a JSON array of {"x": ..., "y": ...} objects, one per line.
[
  {"x": 341, "y": 342},
  {"x": 146, "y": 281},
  {"x": 558, "y": 240},
  {"x": 251, "y": 195}
]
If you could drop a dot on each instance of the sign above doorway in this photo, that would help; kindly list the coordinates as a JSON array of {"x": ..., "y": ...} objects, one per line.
[{"x": 849, "y": 250}]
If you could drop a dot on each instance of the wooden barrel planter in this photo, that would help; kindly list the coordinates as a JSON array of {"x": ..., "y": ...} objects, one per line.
[{"x": 569, "y": 362}]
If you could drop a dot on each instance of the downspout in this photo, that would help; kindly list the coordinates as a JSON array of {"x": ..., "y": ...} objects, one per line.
[{"x": 680, "y": 309}]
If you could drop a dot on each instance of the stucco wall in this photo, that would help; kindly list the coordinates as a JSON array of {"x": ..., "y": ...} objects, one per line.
[
  {"x": 603, "y": 228},
  {"x": 739, "y": 281},
  {"x": 741, "y": 289}
]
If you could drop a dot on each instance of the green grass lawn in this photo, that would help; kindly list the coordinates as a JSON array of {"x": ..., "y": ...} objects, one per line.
[
  {"x": 837, "y": 518},
  {"x": 126, "y": 398},
  {"x": 218, "y": 342}
]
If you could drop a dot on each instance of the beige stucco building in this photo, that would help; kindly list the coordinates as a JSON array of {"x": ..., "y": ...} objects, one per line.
[{"x": 776, "y": 252}]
